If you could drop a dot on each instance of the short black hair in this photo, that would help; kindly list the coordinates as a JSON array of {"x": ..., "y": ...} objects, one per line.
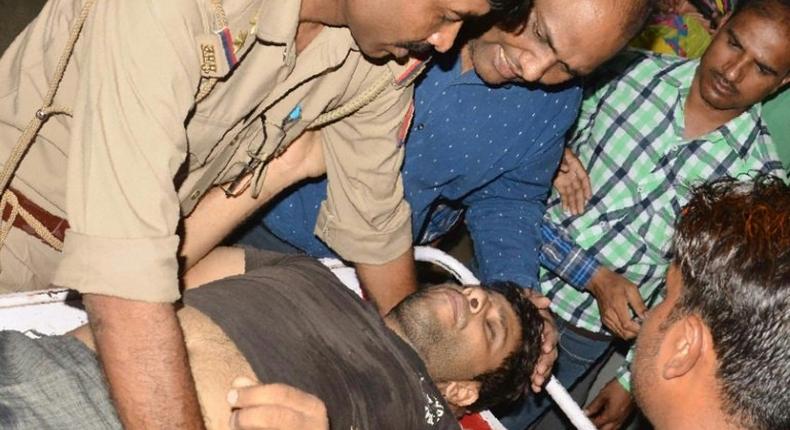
[
  {"x": 509, "y": 12},
  {"x": 634, "y": 12},
  {"x": 763, "y": 7},
  {"x": 732, "y": 246},
  {"x": 637, "y": 11},
  {"x": 509, "y": 381}
]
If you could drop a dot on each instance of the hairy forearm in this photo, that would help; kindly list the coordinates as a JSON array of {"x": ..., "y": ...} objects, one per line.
[
  {"x": 387, "y": 284},
  {"x": 142, "y": 352}
]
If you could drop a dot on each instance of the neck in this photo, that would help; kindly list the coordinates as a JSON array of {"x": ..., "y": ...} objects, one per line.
[
  {"x": 326, "y": 12},
  {"x": 701, "y": 418},
  {"x": 702, "y": 118},
  {"x": 393, "y": 324},
  {"x": 693, "y": 402},
  {"x": 466, "y": 58}
]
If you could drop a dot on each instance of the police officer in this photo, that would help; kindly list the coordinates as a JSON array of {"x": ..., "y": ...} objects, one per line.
[{"x": 160, "y": 101}]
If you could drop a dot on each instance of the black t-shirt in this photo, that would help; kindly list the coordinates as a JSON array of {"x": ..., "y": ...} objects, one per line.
[{"x": 297, "y": 324}]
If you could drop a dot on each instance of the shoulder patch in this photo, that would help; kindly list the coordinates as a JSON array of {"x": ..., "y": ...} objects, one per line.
[{"x": 412, "y": 70}]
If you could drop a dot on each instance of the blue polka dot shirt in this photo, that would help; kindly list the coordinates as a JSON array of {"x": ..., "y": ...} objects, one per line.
[{"x": 484, "y": 154}]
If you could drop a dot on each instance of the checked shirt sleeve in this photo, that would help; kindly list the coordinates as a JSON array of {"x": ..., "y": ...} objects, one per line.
[{"x": 560, "y": 254}]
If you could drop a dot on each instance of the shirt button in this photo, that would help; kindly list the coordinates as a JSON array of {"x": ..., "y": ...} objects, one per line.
[
  {"x": 420, "y": 126},
  {"x": 195, "y": 195}
]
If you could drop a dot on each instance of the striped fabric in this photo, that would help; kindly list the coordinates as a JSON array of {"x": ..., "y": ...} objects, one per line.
[{"x": 629, "y": 137}]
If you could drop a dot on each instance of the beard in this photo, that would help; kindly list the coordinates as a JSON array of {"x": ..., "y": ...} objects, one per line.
[
  {"x": 645, "y": 372},
  {"x": 436, "y": 345}
]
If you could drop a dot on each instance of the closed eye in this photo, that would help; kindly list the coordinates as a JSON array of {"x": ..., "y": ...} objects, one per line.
[
  {"x": 538, "y": 34},
  {"x": 765, "y": 70}
]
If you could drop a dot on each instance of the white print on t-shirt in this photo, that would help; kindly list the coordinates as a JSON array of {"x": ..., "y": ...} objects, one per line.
[{"x": 434, "y": 408}]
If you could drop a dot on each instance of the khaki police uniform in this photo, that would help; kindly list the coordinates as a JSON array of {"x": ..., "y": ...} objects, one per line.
[{"x": 138, "y": 152}]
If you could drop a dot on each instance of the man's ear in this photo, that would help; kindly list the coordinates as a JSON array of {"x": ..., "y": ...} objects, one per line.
[
  {"x": 684, "y": 343},
  {"x": 460, "y": 393}
]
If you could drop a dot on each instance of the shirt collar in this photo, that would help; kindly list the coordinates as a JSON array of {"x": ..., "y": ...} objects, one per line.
[{"x": 278, "y": 20}]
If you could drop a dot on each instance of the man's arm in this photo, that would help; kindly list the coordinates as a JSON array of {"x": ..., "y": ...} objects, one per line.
[
  {"x": 613, "y": 292},
  {"x": 560, "y": 254},
  {"x": 217, "y": 214},
  {"x": 142, "y": 351},
  {"x": 389, "y": 283},
  {"x": 616, "y": 296},
  {"x": 127, "y": 142},
  {"x": 365, "y": 217}
]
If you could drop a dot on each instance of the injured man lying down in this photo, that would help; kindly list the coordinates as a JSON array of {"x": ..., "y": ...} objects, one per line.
[{"x": 289, "y": 320}]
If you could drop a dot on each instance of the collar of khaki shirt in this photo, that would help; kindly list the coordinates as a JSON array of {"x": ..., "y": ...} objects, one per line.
[{"x": 277, "y": 21}]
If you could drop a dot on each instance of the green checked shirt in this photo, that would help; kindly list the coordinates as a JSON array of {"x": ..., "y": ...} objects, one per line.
[{"x": 630, "y": 138}]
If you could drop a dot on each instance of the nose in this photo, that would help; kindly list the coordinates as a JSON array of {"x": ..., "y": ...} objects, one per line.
[
  {"x": 535, "y": 64},
  {"x": 735, "y": 70},
  {"x": 477, "y": 298},
  {"x": 443, "y": 39}
]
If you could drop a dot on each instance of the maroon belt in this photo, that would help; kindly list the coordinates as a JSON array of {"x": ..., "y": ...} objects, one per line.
[{"x": 55, "y": 224}]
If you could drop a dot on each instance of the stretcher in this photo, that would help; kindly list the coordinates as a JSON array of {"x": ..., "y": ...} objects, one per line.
[{"x": 57, "y": 311}]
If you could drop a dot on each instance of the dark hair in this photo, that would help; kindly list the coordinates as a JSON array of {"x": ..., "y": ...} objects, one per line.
[
  {"x": 762, "y": 7},
  {"x": 508, "y": 13},
  {"x": 637, "y": 12},
  {"x": 732, "y": 246},
  {"x": 510, "y": 379}
]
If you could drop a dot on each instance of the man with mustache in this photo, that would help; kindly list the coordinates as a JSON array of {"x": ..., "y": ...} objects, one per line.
[
  {"x": 715, "y": 353},
  {"x": 653, "y": 127}
]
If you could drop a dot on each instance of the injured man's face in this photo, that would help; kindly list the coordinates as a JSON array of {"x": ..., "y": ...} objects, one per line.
[{"x": 472, "y": 334}]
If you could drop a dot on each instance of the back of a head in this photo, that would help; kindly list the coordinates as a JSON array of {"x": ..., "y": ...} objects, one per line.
[
  {"x": 510, "y": 380},
  {"x": 732, "y": 246},
  {"x": 635, "y": 14},
  {"x": 508, "y": 12}
]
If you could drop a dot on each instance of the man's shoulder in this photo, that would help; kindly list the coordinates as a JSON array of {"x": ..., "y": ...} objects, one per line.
[
  {"x": 642, "y": 66},
  {"x": 635, "y": 60}
]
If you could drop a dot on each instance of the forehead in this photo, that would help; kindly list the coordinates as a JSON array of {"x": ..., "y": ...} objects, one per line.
[
  {"x": 463, "y": 7},
  {"x": 570, "y": 30},
  {"x": 766, "y": 38}
]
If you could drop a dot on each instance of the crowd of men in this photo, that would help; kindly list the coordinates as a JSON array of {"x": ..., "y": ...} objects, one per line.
[{"x": 609, "y": 194}]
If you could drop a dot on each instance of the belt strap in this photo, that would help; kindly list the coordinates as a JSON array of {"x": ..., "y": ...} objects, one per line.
[{"x": 20, "y": 212}]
